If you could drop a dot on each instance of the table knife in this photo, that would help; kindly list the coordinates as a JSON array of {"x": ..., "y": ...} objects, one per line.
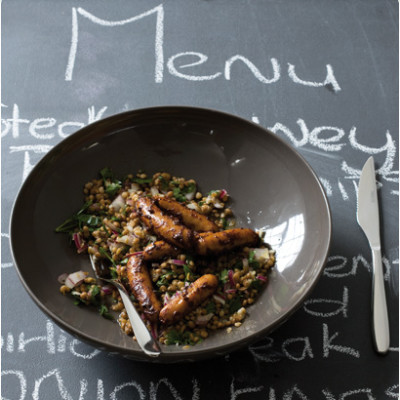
[{"x": 368, "y": 219}]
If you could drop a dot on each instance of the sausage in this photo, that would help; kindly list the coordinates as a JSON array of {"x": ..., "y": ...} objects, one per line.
[
  {"x": 164, "y": 225},
  {"x": 211, "y": 243},
  {"x": 142, "y": 288},
  {"x": 158, "y": 250},
  {"x": 190, "y": 298},
  {"x": 191, "y": 218}
]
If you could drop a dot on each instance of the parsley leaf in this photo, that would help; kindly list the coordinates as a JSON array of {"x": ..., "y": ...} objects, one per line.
[
  {"x": 175, "y": 337},
  {"x": 103, "y": 311},
  {"x": 234, "y": 304}
]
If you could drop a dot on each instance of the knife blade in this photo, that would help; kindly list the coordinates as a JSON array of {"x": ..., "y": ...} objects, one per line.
[{"x": 368, "y": 219}]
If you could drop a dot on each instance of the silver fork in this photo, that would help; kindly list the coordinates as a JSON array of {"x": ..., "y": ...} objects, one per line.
[{"x": 144, "y": 338}]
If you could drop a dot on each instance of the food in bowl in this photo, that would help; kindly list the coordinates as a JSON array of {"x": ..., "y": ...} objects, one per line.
[{"x": 189, "y": 269}]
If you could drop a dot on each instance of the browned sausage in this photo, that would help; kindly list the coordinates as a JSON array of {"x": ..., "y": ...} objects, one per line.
[
  {"x": 163, "y": 224},
  {"x": 188, "y": 299},
  {"x": 219, "y": 242},
  {"x": 158, "y": 250},
  {"x": 142, "y": 287},
  {"x": 191, "y": 218}
]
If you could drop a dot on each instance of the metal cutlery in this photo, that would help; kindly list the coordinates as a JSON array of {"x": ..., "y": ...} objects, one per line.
[
  {"x": 144, "y": 338},
  {"x": 368, "y": 219}
]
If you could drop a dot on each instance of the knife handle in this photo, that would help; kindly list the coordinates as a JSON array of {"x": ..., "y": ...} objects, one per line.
[{"x": 379, "y": 308}]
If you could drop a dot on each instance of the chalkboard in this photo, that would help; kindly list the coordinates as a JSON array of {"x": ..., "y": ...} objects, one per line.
[{"x": 321, "y": 74}]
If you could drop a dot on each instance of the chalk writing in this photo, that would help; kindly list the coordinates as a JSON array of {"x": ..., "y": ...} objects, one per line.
[
  {"x": 134, "y": 389},
  {"x": 341, "y": 309},
  {"x": 199, "y": 58},
  {"x": 305, "y": 348},
  {"x": 325, "y": 140}
]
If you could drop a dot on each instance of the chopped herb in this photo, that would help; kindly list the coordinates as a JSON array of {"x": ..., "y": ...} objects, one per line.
[
  {"x": 238, "y": 265},
  {"x": 188, "y": 272},
  {"x": 103, "y": 311},
  {"x": 210, "y": 307},
  {"x": 104, "y": 253},
  {"x": 142, "y": 181},
  {"x": 163, "y": 280},
  {"x": 164, "y": 184},
  {"x": 106, "y": 173},
  {"x": 79, "y": 219},
  {"x": 175, "y": 337},
  {"x": 112, "y": 185},
  {"x": 252, "y": 260},
  {"x": 223, "y": 276},
  {"x": 94, "y": 291},
  {"x": 256, "y": 284},
  {"x": 234, "y": 304},
  {"x": 180, "y": 193}
]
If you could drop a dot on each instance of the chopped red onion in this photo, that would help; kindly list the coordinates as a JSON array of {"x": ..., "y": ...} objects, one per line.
[
  {"x": 230, "y": 278},
  {"x": 262, "y": 278},
  {"x": 81, "y": 246},
  {"x": 154, "y": 330},
  {"x": 75, "y": 279},
  {"x": 167, "y": 298},
  {"x": 136, "y": 253},
  {"x": 223, "y": 194},
  {"x": 178, "y": 262},
  {"x": 62, "y": 278},
  {"x": 107, "y": 290}
]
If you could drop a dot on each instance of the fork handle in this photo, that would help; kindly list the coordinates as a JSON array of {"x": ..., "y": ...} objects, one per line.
[
  {"x": 380, "y": 318},
  {"x": 144, "y": 338}
]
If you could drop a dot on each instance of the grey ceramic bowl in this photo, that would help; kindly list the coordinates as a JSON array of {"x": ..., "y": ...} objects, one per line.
[{"x": 271, "y": 186}]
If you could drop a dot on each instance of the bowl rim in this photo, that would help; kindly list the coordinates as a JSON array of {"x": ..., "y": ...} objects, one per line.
[{"x": 193, "y": 353}]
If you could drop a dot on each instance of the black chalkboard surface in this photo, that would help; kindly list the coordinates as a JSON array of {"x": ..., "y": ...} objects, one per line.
[{"x": 323, "y": 75}]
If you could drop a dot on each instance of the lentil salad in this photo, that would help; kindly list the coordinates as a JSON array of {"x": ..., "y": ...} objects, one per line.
[{"x": 111, "y": 227}]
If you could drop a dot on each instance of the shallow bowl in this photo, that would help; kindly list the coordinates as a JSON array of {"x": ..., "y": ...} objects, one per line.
[{"x": 271, "y": 186}]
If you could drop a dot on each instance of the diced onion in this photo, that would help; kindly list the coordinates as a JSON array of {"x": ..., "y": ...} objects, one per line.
[
  {"x": 154, "y": 191},
  {"x": 203, "y": 319},
  {"x": 218, "y": 204},
  {"x": 245, "y": 263},
  {"x": 193, "y": 206},
  {"x": 219, "y": 299},
  {"x": 261, "y": 254},
  {"x": 127, "y": 239},
  {"x": 190, "y": 196},
  {"x": 75, "y": 279},
  {"x": 134, "y": 188},
  {"x": 118, "y": 203}
]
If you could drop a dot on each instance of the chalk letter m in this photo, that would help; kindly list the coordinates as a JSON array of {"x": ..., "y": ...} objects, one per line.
[{"x": 159, "y": 56}]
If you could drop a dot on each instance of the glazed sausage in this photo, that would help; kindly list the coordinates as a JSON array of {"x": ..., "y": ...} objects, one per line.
[
  {"x": 191, "y": 218},
  {"x": 188, "y": 299},
  {"x": 164, "y": 225},
  {"x": 142, "y": 287},
  {"x": 219, "y": 242},
  {"x": 158, "y": 250}
]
